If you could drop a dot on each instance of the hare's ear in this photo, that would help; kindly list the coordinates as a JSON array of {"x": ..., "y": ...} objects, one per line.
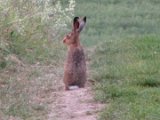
[
  {"x": 82, "y": 24},
  {"x": 75, "y": 23},
  {"x": 85, "y": 19}
]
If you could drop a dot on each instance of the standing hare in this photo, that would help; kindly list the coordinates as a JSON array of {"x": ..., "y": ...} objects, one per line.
[{"x": 75, "y": 65}]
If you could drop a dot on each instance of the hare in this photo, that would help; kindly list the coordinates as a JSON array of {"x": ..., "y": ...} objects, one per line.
[{"x": 75, "y": 65}]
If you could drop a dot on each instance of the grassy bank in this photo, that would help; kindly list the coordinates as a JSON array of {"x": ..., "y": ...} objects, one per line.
[
  {"x": 125, "y": 58},
  {"x": 31, "y": 52}
]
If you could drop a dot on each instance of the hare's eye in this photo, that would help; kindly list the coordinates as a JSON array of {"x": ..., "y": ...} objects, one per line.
[{"x": 68, "y": 36}]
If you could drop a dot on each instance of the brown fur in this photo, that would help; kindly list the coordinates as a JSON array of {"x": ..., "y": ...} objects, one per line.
[{"x": 75, "y": 65}]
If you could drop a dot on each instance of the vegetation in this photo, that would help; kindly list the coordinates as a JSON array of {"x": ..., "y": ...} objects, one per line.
[
  {"x": 130, "y": 80},
  {"x": 121, "y": 40},
  {"x": 30, "y": 48},
  {"x": 125, "y": 43}
]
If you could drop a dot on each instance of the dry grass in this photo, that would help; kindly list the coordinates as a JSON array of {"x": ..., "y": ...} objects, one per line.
[{"x": 25, "y": 91}]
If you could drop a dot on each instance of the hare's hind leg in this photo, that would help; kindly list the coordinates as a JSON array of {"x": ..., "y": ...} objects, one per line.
[
  {"x": 66, "y": 84},
  {"x": 82, "y": 81},
  {"x": 81, "y": 86},
  {"x": 66, "y": 87},
  {"x": 66, "y": 80}
]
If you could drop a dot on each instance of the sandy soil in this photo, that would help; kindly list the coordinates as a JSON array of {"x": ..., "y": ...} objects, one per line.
[{"x": 76, "y": 104}]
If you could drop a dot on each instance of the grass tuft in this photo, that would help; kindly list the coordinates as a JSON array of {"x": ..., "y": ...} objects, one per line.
[{"x": 148, "y": 83}]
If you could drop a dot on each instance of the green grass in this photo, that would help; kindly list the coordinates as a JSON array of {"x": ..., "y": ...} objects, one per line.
[
  {"x": 130, "y": 79},
  {"x": 34, "y": 50},
  {"x": 125, "y": 57},
  {"x": 114, "y": 19}
]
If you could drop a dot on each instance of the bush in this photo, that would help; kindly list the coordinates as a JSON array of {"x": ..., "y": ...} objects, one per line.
[{"x": 29, "y": 28}]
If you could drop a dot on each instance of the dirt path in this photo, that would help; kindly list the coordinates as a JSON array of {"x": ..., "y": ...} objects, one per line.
[{"x": 77, "y": 104}]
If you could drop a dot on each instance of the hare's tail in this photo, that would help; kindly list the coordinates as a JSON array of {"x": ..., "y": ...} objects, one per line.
[{"x": 73, "y": 87}]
